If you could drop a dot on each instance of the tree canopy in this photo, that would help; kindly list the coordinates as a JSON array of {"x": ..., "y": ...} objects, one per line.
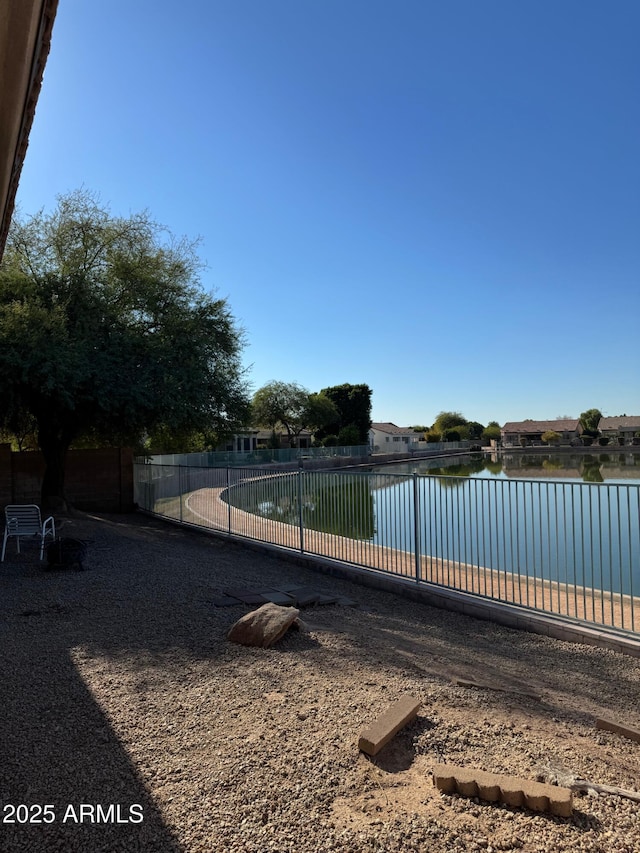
[
  {"x": 448, "y": 420},
  {"x": 353, "y": 404},
  {"x": 492, "y": 431},
  {"x": 291, "y": 406},
  {"x": 590, "y": 420},
  {"x": 106, "y": 330}
]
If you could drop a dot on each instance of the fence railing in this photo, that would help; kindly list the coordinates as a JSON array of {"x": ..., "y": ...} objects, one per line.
[
  {"x": 236, "y": 458},
  {"x": 244, "y": 459},
  {"x": 567, "y": 548}
]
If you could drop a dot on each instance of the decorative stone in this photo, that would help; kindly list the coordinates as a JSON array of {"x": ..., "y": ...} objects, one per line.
[
  {"x": 511, "y": 790},
  {"x": 263, "y": 627},
  {"x": 386, "y": 726}
]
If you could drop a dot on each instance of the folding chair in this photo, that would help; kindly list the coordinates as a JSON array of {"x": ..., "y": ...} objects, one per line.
[{"x": 24, "y": 520}]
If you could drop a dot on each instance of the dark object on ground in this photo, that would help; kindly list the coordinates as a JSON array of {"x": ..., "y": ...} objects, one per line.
[{"x": 64, "y": 553}]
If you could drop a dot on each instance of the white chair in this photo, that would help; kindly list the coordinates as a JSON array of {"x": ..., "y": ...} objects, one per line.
[{"x": 24, "y": 520}]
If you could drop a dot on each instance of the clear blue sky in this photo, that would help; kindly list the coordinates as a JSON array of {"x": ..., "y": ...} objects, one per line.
[{"x": 439, "y": 199}]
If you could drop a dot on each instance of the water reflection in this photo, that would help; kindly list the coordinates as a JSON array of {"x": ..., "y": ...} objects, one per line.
[
  {"x": 332, "y": 503},
  {"x": 590, "y": 467}
]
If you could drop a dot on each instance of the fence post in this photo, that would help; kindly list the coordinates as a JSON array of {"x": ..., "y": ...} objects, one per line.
[
  {"x": 181, "y": 487},
  {"x": 228, "y": 501},
  {"x": 300, "y": 518},
  {"x": 416, "y": 527}
]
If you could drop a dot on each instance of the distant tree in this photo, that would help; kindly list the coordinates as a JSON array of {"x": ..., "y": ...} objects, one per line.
[
  {"x": 163, "y": 440},
  {"x": 321, "y": 410},
  {"x": 451, "y": 434},
  {"x": 353, "y": 403},
  {"x": 590, "y": 420},
  {"x": 492, "y": 431},
  {"x": 551, "y": 437},
  {"x": 105, "y": 330},
  {"x": 474, "y": 430},
  {"x": 21, "y": 430},
  {"x": 447, "y": 420},
  {"x": 289, "y": 405},
  {"x": 348, "y": 436},
  {"x": 281, "y": 404},
  {"x": 274, "y": 441}
]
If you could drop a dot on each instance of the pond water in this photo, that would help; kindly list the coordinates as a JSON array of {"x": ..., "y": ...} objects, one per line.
[
  {"x": 571, "y": 518},
  {"x": 588, "y": 468}
]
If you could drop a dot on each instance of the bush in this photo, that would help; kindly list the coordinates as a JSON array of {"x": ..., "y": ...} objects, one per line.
[
  {"x": 330, "y": 441},
  {"x": 551, "y": 437},
  {"x": 603, "y": 441}
]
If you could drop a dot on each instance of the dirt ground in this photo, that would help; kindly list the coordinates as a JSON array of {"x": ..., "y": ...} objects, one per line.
[{"x": 119, "y": 689}]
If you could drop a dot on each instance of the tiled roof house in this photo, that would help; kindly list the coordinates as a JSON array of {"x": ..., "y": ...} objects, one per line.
[
  {"x": 624, "y": 427},
  {"x": 532, "y": 431}
]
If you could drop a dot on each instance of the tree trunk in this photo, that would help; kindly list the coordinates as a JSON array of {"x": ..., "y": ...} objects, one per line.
[{"x": 54, "y": 442}]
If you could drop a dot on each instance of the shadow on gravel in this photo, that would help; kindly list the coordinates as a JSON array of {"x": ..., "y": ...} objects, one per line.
[
  {"x": 399, "y": 754},
  {"x": 63, "y": 769}
]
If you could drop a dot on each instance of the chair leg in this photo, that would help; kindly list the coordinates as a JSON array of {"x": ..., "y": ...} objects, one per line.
[{"x": 4, "y": 546}]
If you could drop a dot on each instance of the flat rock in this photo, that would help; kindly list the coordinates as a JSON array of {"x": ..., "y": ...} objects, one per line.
[{"x": 263, "y": 627}]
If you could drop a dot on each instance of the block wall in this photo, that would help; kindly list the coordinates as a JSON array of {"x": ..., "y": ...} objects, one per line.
[{"x": 99, "y": 480}]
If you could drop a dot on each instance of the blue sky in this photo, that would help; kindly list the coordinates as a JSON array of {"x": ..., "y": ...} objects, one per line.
[{"x": 439, "y": 199}]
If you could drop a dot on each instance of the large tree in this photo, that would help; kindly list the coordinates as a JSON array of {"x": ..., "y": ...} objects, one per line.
[
  {"x": 106, "y": 330},
  {"x": 289, "y": 405},
  {"x": 353, "y": 403}
]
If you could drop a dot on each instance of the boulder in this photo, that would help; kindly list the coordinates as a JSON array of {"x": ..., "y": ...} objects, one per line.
[{"x": 265, "y": 626}]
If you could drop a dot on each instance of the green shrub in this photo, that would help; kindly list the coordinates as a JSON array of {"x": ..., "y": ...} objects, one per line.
[{"x": 348, "y": 436}]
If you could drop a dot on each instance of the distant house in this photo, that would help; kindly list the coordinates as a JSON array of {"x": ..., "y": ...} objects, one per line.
[
  {"x": 249, "y": 440},
  {"x": 241, "y": 442},
  {"x": 389, "y": 438},
  {"x": 623, "y": 428},
  {"x": 303, "y": 440},
  {"x": 516, "y": 433}
]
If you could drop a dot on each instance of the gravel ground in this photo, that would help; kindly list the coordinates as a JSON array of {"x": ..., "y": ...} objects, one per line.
[{"x": 130, "y": 723}]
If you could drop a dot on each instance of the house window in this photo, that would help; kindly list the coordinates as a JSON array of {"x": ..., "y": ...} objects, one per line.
[{"x": 396, "y": 438}]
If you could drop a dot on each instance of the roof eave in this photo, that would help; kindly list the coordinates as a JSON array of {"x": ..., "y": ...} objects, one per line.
[{"x": 25, "y": 40}]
